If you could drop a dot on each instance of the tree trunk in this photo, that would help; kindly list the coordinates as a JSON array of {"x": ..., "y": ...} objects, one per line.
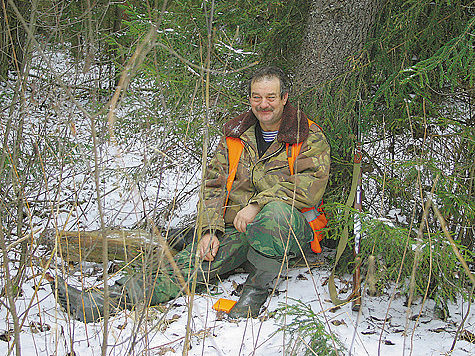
[
  {"x": 335, "y": 32},
  {"x": 12, "y": 36}
]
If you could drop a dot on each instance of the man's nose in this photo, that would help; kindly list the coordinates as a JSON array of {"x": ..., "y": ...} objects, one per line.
[{"x": 264, "y": 103}]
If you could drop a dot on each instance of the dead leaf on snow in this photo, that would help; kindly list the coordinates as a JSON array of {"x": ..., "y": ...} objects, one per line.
[
  {"x": 36, "y": 327},
  {"x": 220, "y": 315},
  {"x": 338, "y": 322},
  {"x": 237, "y": 289},
  {"x": 467, "y": 336},
  {"x": 264, "y": 317},
  {"x": 122, "y": 327},
  {"x": 368, "y": 332},
  {"x": 166, "y": 323},
  {"x": 6, "y": 335},
  {"x": 438, "y": 330},
  {"x": 388, "y": 318},
  {"x": 164, "y": 350}
]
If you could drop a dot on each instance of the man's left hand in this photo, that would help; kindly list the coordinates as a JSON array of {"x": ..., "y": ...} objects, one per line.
[{"x": 245, "y": 216}]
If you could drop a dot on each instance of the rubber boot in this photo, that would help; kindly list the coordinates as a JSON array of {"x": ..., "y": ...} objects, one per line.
[
  {"x": 88, "y": 305},
  {"x": 254, "y": 294}
]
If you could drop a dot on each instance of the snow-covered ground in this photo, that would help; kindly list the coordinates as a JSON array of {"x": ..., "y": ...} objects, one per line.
[{"x": 46, "y": 329}]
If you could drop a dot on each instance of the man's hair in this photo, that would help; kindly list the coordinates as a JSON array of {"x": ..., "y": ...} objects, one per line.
[{"x": 269, "y": 73}]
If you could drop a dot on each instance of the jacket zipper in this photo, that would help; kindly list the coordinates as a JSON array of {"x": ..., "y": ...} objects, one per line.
[{"x": 276, "y": 153}]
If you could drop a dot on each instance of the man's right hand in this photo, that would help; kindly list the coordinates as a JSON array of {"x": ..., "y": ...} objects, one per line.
[{"x": 209, "y": 246}]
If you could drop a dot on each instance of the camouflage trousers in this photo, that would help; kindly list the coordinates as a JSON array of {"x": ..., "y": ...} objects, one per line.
[{"x": 278, "y": 233}]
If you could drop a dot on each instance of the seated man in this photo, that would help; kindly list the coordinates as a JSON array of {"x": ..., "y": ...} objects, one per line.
[{"x": 258, "y": 221}]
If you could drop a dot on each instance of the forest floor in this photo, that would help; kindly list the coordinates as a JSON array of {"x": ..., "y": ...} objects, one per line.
[{"x": 383, "y": 327}]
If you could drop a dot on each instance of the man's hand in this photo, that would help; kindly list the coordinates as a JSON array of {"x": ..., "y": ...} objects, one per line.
[
  {"x": 245, "y": 216},
  {"x": 209, "y": 245}
]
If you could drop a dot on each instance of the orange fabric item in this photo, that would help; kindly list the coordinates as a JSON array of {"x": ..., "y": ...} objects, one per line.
[
  {"x": 235, "y": 147},
  {"x": 321, "y": 220},
  {"x": 317, "y": 224},
  {"x": 292, "y": 153}
]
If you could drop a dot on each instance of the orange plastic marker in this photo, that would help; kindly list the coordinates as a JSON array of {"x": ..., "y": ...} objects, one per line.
[{"x": 224, "y": 305}]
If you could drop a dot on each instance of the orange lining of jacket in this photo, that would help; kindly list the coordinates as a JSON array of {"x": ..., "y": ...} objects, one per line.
[{"x": 235, "y": 147}]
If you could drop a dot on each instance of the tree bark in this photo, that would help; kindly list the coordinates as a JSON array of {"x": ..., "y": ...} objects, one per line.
[
  {"x": 123, "y": 245},
  {"x": 12, "y": 37},
  {"x": 335, "y": 32}
]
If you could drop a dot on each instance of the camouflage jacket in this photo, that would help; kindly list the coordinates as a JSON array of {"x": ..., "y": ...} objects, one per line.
[{"x": 266, "y": 179}]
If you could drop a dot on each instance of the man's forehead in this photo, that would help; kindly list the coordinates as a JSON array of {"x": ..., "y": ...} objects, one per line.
[{"x": 268, "y": 84}]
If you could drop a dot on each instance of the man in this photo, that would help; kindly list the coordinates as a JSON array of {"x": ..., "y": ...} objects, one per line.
[{"x": 259, "y": 223}]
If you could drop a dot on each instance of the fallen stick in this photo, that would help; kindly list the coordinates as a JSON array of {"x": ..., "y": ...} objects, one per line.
[{"x": 78, "y": 246}]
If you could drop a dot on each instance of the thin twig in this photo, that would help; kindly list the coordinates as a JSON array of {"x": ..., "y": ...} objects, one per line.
[
  {"x": 453, "y": 245},
  {"x": 417, "y": 255},
  {"x": 9, "y": 289},
  {"x": 462, "y": 323}
]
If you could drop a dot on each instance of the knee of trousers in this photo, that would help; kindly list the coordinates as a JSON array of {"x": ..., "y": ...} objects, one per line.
[
  {"x": 278, "y": 230},
  {"x": 276, "y": 213}
]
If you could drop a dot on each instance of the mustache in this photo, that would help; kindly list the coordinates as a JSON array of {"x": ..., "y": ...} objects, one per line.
[{"x": 264, "y": 110}]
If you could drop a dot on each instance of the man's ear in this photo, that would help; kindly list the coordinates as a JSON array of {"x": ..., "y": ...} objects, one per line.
[{"x": 285, "y": 97}]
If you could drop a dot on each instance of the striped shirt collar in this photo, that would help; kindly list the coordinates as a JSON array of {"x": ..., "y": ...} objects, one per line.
[{"x": 269, "y": 136}]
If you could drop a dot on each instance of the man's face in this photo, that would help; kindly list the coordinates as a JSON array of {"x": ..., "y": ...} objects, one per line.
[{"x": 267, "y": 104}]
